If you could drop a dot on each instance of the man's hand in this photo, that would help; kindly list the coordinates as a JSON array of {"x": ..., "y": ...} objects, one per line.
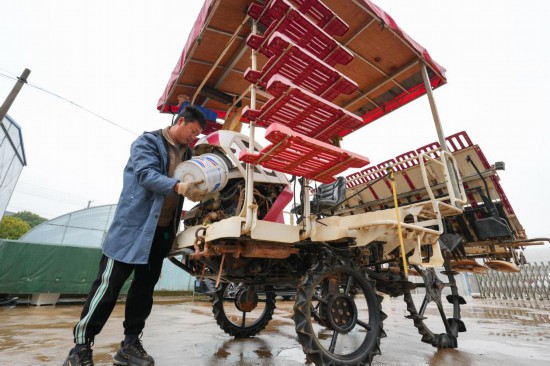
[{"x": 189, "y": 190}]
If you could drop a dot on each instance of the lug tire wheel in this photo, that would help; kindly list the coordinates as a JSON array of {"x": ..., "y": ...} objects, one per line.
[
  {"x": 339, "y": 317},
  {"x": 238, "y": 323},
  {"x": 438, "y": 325}
]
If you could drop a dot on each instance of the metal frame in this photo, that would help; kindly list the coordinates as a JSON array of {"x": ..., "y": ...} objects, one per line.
[{"x": 250, "y": 210}]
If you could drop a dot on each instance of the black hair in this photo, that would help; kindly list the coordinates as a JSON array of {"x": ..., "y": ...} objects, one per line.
[{"x": 192, "y": 114}]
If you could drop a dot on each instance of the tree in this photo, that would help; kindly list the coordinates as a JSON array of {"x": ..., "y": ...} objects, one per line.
[
  {"x": 31, "y": 218},
  {"x": 13, "y": 227}
]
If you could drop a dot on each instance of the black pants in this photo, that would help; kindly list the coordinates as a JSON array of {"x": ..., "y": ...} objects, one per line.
[{"x": 106, "y": 288}]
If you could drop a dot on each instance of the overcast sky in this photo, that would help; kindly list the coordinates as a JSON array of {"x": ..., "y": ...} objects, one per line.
[{"x": 115, "y": 57}]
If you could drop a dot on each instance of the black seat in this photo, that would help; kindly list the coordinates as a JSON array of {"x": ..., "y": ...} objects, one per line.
[{"x": 327, "y": 198}]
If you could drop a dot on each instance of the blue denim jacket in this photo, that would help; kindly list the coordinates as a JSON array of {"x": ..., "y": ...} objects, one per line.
[{"x": 145, "y": 184}]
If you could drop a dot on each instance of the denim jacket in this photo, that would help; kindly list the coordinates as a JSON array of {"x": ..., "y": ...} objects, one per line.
[{"x": 145, "y": 184}]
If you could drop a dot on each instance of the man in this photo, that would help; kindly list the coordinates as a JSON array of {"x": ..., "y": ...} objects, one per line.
[{"x": 141, "y": 234}]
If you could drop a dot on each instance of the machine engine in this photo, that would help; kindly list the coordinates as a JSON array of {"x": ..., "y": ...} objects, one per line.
[
  {"x": 216, "y": 162},
  {"x": 229, "y": 202}
]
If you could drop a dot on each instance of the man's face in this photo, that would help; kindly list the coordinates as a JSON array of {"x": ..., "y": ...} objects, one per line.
[{"x": 187, "y": 132}]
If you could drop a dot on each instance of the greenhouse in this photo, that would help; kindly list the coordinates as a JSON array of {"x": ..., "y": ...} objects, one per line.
[
  {"x": 12, "y": 159},
  {"x": 61, "y": 256}
]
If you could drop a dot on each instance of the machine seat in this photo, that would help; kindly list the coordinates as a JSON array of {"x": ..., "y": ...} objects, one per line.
[{"x": 327, "y": 198}]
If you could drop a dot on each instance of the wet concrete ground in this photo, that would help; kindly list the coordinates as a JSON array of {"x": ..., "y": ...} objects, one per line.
[{"x": 500, "y": 332}]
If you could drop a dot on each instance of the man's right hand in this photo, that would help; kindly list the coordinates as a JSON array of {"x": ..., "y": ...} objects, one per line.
[{"x": 190, "y": 191}]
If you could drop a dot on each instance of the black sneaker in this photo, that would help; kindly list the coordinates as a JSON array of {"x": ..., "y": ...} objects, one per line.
[
  {"x": 80, "y": 356},
  {"x": 133, "y": 355}
]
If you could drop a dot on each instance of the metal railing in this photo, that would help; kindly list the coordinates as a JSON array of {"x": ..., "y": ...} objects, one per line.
[
  {"x": 456, "y": 195},
  {"x": 532, "y": 282}
]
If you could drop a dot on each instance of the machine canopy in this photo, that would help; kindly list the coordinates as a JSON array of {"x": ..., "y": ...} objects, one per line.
[{"x": 372, "y": 69}]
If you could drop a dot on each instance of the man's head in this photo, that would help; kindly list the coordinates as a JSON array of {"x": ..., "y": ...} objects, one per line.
[
  {"x": 189, "y": 124},
  {"x": 191, "y": 114}
]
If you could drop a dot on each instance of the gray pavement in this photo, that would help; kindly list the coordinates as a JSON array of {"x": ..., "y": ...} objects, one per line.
[{"x": 182, "y": 332}]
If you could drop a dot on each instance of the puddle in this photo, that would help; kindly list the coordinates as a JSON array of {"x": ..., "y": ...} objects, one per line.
[{"x": 184, "y": 332}]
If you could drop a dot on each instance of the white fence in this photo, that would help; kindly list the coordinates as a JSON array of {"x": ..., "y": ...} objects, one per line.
[{"x": 531, "y": 283}]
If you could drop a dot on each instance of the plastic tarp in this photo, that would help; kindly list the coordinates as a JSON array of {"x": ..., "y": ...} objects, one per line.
[
  {"x": 195, "y": 32},
  {"x": 27, "y": 268}
]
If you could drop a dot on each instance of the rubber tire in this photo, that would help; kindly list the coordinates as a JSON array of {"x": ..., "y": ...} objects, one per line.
[
  {"x": 233, "y": 329},
  {"x": 306, "y": 334}
]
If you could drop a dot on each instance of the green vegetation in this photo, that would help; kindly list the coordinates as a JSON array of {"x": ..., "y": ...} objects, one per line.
[
  {"x": 13, "y": 227},
  {"x": 31, "y": 218}
]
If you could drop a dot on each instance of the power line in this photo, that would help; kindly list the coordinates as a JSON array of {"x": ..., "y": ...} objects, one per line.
[
  {"x": 71, "y": 102},
  {"x": 43, "y": 195},
  {"x": 9, "y": 72},
  {"x": 49, "y": 193},
  {"x": 39, "y": 211}
]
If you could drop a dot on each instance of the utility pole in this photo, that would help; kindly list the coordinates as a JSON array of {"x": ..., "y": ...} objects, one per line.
[{"x": 11, "y": 97}]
